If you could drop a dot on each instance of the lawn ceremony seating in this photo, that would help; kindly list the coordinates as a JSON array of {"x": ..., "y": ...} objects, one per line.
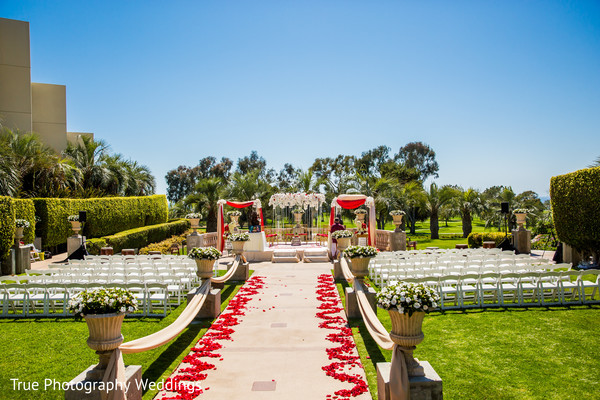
[
  {"x": 489, "y": 278},
  {"x": 157, "y": 282}
]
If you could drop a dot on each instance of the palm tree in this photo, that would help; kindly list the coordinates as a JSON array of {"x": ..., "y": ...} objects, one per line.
[
  {"x": 435, "y": 198},
  {"x": 468, "y": 202},
  {"x": 410, "y": 196},
  {"x": 204, "y": 198},
  {"x": 88, "y": 156}
]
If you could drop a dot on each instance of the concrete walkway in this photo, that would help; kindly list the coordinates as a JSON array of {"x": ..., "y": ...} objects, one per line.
[{"x": 277, "y": 351}]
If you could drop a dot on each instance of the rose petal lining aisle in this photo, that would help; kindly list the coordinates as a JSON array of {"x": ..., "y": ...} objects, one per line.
[
  {"x": 181, "y": 381},
  {"x": 345, "y": 352}
]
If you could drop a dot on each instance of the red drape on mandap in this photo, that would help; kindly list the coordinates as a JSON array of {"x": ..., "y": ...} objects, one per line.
[
  {"x": 221, "y": 217},
  {"x": 351, "y": 205}
]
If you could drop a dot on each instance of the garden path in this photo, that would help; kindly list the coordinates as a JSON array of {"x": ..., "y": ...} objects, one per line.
[{"x": 277, "y": 351}]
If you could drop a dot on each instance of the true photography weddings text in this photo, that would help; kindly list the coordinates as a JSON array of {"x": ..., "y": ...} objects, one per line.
[{"x": 108, "y": 386}]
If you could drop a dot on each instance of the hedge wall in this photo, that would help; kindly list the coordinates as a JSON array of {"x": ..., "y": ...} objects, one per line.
[
  {"x": 105, "y": 216},
  {"x": 575, "y": 200},
  {"x": 476, "y": 239},
  {"x": 7, "y": 225},
  {"x": 138, "y": 237},
  {"x": 24, "y": 209}
]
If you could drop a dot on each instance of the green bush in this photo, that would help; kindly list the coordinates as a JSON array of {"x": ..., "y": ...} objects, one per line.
[
  {"x": 24, "y": 209},
  {"x": 164, "y": 245},
  {"x": 576, "y": 209},
  {"x": 7, "y": 225},
  {"x": 105, "y": 216},
  {"x": 476, "y": 239},
  {"x": 138, "y": 237}
]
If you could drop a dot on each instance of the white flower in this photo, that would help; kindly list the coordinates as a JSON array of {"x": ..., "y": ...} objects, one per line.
[
  {"x": 394, "y": 302},
  {"x": 122, "y": 309},
  {"x": 417, "y": 305},
  {"x": 425, "y": 307}
]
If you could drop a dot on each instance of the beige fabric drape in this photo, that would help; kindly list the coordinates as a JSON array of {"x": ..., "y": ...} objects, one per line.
[
  {"x": 346, "y": 270},
  {"x": 399, "y": 383},
  {"x": 229, "y": 274}
]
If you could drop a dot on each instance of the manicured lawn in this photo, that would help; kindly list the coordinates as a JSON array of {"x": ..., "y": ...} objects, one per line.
[
  {"x": 516, "y": 353},
  {"x": 54, "y": 348}
]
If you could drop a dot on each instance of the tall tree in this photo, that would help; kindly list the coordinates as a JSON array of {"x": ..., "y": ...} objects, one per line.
[
  {"x": 421, "y": 157},
  {"x": 468, "y": 202},
  {"x": 204, "y": 198},
  {"x": 435, "y": 198}
]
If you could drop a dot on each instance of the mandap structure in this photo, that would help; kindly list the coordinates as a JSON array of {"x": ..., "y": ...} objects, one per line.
[
  {"x": 352, "y": 201},
  {"x": 236, "y": 204}
]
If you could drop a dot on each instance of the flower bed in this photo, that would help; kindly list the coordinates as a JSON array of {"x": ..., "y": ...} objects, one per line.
[
  {"x": 204, "y": 253},
  {"x": 408, "y": 297},
  {"x": 360, "y": 251},
  {"x": 239, "y": 237},
  {"x": 342, "y": 234}
]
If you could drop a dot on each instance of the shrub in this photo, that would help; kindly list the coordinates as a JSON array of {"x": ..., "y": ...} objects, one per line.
[
  {"x": 24, "y": 209},
  {"x": 576, "y": 209},
  {"x": 164, "y": 245},
  {"x": 105, "y": 216},
  {"x": 141, "y": 237},
  {"x": 7, "y": 225},
  {"x": 93, "y": 246},
  {"x": 476, "y": 239}
]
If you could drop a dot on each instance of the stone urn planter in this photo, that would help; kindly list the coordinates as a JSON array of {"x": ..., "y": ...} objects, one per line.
[
  {"x": 234, "y": 224},
  {"x": 195, "y": 224},
  {"x": 204, "y": 267},
  {"x": 360, "y": 266},
  {"x": 343, "y": 243},
  {"x": 76, "y": 226},
  {"x": 397, "y": 222},
  {"x": 521, "y": 218},
  {"x": 406, "y": 333},
  {"x": 360, "y": 217},
  {"x": 238, "y": 247},
  {"x": 105, "y": 336},
  {"x": 298, "y": 218},
  {"x": 19, "y": 232}
]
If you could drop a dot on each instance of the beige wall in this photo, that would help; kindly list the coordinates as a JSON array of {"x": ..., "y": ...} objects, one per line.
[
  {"x": 15, "y": 75},
  {"x": 49, "y": 114}
]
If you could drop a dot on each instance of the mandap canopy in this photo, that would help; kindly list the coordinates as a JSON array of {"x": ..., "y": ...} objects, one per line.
[
  {"x": 235, "y": 204},
  {"x": 352, "y": 201}
]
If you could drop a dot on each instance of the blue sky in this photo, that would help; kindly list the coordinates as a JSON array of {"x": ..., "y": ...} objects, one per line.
[{"x": 505, "y": 92}]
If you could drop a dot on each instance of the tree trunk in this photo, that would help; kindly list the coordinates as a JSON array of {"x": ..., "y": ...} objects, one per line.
[
  {"x": 434, "y": 225},
  {"x": 211, "y": 220},
  {"x": 412, "y": 221},
  {"x": 467, "y": 227}
]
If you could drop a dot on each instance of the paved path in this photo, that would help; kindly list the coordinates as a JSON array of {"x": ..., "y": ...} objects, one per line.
[{"x": 278, "y": 350}]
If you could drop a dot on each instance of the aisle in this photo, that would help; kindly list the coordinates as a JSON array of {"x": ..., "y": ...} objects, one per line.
[{"x": 278, "y": 350}]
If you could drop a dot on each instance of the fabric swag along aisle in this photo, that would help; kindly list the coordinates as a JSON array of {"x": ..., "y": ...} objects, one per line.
[
  {"x": 344, "y": 351},
  {"x": 207, "y": 347}
]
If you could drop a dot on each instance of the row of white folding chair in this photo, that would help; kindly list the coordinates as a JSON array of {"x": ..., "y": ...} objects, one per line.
[
  {"x": 513, "y": 289},
  {"x": 29, "y": 298}
]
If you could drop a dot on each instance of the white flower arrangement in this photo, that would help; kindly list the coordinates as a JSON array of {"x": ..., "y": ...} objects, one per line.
[
  {"x": 193, "y": 216},
  {"x": 397, "y": 212},
  {"x": 408, "y": 297},
  {"x": 21, "y": 223},
  {"x": 302, "y": 200},
  {"x": 239, "y": 237},
  {"x": 234, "y": 213},
  {"x": 204, "y": 253},
  {"x": 360, "y": 211},
  {"x": 103, "y": 301},
  {"x": 73, "y": 218},
  {"x": 342, "y": 234},
  {"x": 360, "y": 251},
  {"x": 521, "y": 211}
]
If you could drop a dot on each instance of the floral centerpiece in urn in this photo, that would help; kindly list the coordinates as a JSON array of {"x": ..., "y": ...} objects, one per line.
[
  {"x": 407, "y": 303},
  {"x": 521, "y": 214},
  {"x": 343, "y": 238},
  {"x": 205, "y": 260},
  {"x": 237, "y": 242},
  {"x": 103, "y": 311},
  {"x": 397, "y": 217},
  {"x": 194, "y": 221},
  {"x": 75, "y": 224},
  {"x": 233, "y": 217},
  {"x": 360, "y": 219},
  {"x": 20, "y": 225},
  {"x": 360, "y": 257}
]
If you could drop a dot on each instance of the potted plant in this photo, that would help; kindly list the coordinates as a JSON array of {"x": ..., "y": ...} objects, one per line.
[
  {"x": 397, "y": 217},
  {"x": 237, "y": 241},
  {"x": 298, "y": 212},
  {"x": 407, "y": 303},
  {"x": 343, "y": 238},
  {"x": 359, "y": 259},
  {"x": 360, "y": 213},
  {"x": 103, "y": 311},
  {"x": 20, "y": 225},
  {"x": 194, "y": 221},
  {"x": 75, "y": 224},
  {"x": 521, "y": 214},
  {"x": 234, "y": 216},
  {"x": 205, "y": 260}
]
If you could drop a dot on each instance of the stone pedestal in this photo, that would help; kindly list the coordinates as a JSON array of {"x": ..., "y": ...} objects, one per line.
[
  {"x": 428, "y": 387},
  {"x": 73, "y": 243},
  {"x": 397, "y": 241},
  {"x": 242, "y": 273},
  {"x": 337, "y": 271},
  {"x": 521, "y": 240},
  {"x": 212, "y": 305},
  {"x": 351, "y": 306},
  {"x": 194, "y": 240},
  {"x": 8, "y": 264},
  {"x": 22, "y": 259},
  {"x": 77, "y": 388},
  {"x": 570, "y": 255}
]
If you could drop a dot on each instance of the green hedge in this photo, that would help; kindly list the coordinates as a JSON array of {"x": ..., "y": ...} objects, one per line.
[
  {"x": 24, "y": 209},
  {"x": 576, "y": 208},
  {"x": 138, "y": 237},
  {"x": 7, "y": 225},
  {"x": 476, "y": 239},
  {"x": 105, "y": 216}
]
